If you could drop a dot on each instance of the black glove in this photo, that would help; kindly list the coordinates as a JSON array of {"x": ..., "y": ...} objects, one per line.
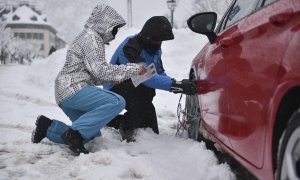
[{"x": 185, "y": 86}]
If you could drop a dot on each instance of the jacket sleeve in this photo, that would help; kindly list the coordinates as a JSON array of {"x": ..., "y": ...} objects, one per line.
[
  {"x": 161, "y": 80},
  {"x": 158, "y": 81},
  {"x": 94, "y": 60}
]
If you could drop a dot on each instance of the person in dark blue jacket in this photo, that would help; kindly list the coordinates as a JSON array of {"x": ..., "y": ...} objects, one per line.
[{"x": 144, "y": 47}]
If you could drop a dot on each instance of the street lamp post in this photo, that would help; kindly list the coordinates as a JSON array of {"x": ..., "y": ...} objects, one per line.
[
  {"x": 172, "y": 5},
  {"x": 129, "y": 13}
]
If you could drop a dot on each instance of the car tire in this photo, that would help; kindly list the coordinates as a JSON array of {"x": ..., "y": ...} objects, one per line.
[
  {"x": 193, "y": 116},
  {"x": 289, "y": 150}
]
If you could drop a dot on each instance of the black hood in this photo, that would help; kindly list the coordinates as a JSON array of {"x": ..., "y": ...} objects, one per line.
[{"x": 157, "y": 28}]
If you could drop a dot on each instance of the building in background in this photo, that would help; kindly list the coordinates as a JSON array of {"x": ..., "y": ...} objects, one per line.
[{"x": 30, "y": 25}]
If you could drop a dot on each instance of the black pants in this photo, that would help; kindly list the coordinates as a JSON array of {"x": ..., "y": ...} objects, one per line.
[{"x": 140, "y": 109}]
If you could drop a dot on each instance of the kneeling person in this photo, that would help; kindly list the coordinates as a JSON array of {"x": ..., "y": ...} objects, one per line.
[{"x": 145, "y": 48}]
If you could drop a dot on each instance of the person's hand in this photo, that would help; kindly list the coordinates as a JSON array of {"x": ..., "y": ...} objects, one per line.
[
  {"x": 142, "y": 69},
  {"x": 185, "y": 86}
]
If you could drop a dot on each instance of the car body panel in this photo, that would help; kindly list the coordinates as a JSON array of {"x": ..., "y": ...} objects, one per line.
[
  {"x": 253, "y": 73},
  {"x": 212, "y": 111},
  {"x": 243, "y": 75}
]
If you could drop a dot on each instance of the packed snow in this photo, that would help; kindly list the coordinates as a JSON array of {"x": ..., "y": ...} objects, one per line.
[{"x": 28, "y": 90}]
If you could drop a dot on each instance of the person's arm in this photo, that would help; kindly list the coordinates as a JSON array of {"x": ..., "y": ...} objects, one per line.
[
  {"x": 158, "y": 81},
  {"x": 96, "y": 64},
  {"x": 131, "y": 53},
  {"x": 162, "y": 81}
]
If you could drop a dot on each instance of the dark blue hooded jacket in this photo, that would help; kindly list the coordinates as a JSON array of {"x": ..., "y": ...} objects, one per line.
[{"x": 130, "y": 51}]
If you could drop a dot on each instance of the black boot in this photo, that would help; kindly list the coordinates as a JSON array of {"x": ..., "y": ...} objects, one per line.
[
  {"x": 74, "y": 140},
  {"x": 42, "y": 123},
  {"x": 128, "y": 134}
]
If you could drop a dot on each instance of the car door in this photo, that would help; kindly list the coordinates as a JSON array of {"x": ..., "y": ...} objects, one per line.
[
  {"x": 252, "y": 51},
  {"x": 212, "y": 70}
]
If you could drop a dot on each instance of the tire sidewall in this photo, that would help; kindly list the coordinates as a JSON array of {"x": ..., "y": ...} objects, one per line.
[
  {"x": 192, "y": 106},
  {"x": 293, "y": 124}
]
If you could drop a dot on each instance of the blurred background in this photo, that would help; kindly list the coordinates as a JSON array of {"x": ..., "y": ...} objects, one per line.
[
  {"x": 69, "y": 16},
  {"x": 36, "y": 28}
]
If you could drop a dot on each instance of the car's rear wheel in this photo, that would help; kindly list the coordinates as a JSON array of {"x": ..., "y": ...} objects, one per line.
[
  {"x": 289, "y": 150},
  {"x": 193, "y": 116},
  {"x": 189, "y": 123}
]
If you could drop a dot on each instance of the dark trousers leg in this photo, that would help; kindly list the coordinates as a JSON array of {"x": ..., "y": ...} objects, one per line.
[
  {"x": 150, "y": 119},
  {"x": 115, "y": 123},
  {"x": 140, "y": 109},
  {"x": 140, "y": 115},
  {"x": 133, "y": 118}
]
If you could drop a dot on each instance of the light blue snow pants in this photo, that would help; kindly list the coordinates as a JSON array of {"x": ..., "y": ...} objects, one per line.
[{"x": 90, "y": 109}]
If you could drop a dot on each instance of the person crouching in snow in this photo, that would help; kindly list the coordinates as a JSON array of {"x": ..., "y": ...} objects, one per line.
[
  {"x": 89, "y": 107},
  {"x": 145, "y": 47}
]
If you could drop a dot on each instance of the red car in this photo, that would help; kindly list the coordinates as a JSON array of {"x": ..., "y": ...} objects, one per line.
[{"x": 248, "y": 78}]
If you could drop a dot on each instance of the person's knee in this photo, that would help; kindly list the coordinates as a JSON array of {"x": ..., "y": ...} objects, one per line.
[
  {"x": 118, "y": 103},
  {"x": 121, "y": 103}
]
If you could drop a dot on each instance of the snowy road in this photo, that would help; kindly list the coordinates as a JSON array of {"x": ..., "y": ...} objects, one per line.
[{"x": 27, "y": 91}]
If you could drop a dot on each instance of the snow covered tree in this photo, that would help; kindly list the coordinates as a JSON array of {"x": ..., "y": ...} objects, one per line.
[
  {"x": 6, "y": 37},
  {"x": 23, "y": 51},
  {"x": 15, "y": 50}
]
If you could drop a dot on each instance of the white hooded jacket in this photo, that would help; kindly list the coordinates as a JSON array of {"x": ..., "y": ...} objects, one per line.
[{"x": 85, "y": 61}]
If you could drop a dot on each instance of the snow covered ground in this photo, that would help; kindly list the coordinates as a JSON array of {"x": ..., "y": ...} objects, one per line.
[{"x": 27, "y": 91}]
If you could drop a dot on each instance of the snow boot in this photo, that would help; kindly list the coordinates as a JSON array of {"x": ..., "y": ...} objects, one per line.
[
  {"x": 128, "y": 134},
  {"x": 42, "y": 123},
  {"x": 74, "y": 140}
]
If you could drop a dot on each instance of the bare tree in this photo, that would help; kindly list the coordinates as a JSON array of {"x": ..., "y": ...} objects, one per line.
[
  {"x": 175, "y": 23},
  {"x": 217, "y": 6}
]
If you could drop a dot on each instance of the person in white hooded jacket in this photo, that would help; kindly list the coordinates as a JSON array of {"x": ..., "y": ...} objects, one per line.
[{"x": 89, "y": 107}]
